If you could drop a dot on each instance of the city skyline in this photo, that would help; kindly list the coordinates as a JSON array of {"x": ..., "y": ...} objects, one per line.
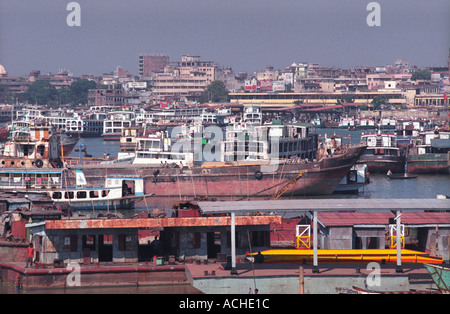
[{"x": 244, "y": 35}]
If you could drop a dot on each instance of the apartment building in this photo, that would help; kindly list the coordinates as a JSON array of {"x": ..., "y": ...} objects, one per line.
[
  {"x": 184, "y": 80},
  {"x": 149, "y": 64}
]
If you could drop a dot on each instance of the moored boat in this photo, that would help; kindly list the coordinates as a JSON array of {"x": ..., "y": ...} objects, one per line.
[
  {"x": 382, "y": 154},
  {"x": 250, "y": 167},
  {"x": 36, "y": 146},
  {"x": 440, "y": 276},
  {"x": 430, "y": 154}
]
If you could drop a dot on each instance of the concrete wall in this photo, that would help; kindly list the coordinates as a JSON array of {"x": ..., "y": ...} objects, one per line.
[{"x": 438, "y": 243}]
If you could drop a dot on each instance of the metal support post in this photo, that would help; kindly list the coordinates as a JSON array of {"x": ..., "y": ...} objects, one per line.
[
  {"x": 233, "y": 244},
  {"x": 315, "y": 258},
  {"x": 399, "y": 243}
]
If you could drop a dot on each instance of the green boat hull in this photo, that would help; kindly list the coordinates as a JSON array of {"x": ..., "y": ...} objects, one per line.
[{"x": 440, "y": 276}]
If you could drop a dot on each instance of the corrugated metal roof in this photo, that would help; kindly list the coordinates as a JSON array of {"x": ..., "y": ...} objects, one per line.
[
  {"x": 326, "y": 205},
  {"x": 354, "y": 218},
  {"x": 361, "y": 218}
]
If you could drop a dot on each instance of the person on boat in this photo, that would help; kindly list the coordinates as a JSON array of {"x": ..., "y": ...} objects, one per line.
[
  {"x": 259, "y": 258},
  {"x": 30, "y": 255},
  {"x": 389, "y": 173}
]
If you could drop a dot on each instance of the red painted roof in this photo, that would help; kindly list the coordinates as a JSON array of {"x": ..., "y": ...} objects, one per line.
[
  {"x": 426, "y": 218},
  {"x": 353, "y": 218}
]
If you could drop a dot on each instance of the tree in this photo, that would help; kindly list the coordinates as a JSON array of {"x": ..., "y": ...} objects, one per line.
[
  {"x": 5, "y": 95},
  {"x": 215, "y": 92},
  {"x": 379, "y": 101},
  {"x": 421, "y": 75},
  {"x": 78, "y": 91},
  {"x": 345, "y": 99},
  {"x": 41, "y": 93}
]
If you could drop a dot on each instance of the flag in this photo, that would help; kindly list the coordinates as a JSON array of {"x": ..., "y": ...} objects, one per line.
[
  {"x": 445, "y": 96},
  {"x": 80, "y": 179}
]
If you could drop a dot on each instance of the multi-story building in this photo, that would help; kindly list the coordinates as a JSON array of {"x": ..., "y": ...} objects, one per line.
[
  {"x": 112, "y": 96},
  {"x": 376, "y": 81},
  {"x": 149, "y": 64},
  {"x": 185, "y": 80}
]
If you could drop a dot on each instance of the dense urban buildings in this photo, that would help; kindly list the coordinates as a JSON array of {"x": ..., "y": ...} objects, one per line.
[{"x": 180, "y": 82}]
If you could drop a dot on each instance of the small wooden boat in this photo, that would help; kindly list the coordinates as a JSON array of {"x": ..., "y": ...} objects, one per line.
[
  {"x": 440, "y": 276},
  {"x": 401, "y": 177},
  {"x": 357, "y": 290}
]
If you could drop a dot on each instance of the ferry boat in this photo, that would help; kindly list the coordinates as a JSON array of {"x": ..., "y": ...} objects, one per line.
[
  {"x": 34, "y": 147},
  {"x": 89, "y": 125},
  {"x": 408, "y": 130},
  {"x": 430, "y": 153},
  {"x": 117, "y": 192},
  {"x": 366, "y": 123},
  {"x": 253, "y": 142},
  {"x": 184, "y": 115},
  {"x": 382, "y": 153},
  {"x": 284, "y": 155},
  {"x": 116, "y": 121},
  {"x": 347, "y": 123},
  {"x": 387, "y": 124}
]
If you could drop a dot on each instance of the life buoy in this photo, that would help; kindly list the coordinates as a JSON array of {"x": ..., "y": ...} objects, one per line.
[
  {"x": 258, "y": 175},
  {"x": 39, "y": 163}
]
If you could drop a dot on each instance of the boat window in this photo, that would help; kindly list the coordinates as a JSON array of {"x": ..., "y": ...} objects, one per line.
[
  {"x": 105, "y": 193},
  {"x": 93, "y": 194},
  {"x": 81, "y": 194},
  {"x": 68, "y": 195},
  {"x": 57, "y": 195},
  {"x": 40, "y": 150}
]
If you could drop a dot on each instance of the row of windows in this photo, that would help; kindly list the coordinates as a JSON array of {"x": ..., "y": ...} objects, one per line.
[{"x": 79, "y": 194}]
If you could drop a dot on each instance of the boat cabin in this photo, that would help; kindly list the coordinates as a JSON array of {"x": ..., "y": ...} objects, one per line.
[{"x": 31, "y": 179}]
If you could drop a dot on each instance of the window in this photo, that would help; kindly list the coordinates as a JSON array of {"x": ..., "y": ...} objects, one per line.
[
  {"x": 125, "y": 242},
  {"x": 260, "y": 238},
  {"x": 57, "y": 195},
  {"x": 89, "y": 242},
  {"x": 81, "y": 194},
  {"x": 193, "y": 240},
  {"x": 93, "y": 194},
  {"x": 68, "y": 195},
  {"x": 70, "y": 243}
]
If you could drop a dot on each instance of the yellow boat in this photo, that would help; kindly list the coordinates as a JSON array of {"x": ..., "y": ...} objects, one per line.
[{"x": 343, "y": 256}]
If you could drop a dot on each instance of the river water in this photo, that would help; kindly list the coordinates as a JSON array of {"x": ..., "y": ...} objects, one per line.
[{"x": 424, "y": 186}]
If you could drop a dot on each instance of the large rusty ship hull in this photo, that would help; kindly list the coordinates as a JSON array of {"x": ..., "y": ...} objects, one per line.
[{"x": 239, "y": 180}]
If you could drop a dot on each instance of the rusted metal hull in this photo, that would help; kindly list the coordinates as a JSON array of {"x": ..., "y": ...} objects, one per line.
[
  {"x": 428, "y": 163},
  {"x": 382, "y": 164},
  {"x": 243, "y": 180}
]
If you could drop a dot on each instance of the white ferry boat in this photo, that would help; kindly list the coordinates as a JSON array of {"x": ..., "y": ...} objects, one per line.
[{"x": 116, "y": 121}]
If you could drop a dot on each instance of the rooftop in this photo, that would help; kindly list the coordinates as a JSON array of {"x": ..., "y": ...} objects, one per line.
[{"x": 329, "y": 205}]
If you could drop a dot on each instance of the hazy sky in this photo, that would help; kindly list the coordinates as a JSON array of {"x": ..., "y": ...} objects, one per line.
[{"x": 247, "y": 35}]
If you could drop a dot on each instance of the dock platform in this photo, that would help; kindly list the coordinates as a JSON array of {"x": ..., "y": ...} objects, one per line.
[
  {"x": 214, "y": 278},
  {"x": 285, "y": 278}
]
